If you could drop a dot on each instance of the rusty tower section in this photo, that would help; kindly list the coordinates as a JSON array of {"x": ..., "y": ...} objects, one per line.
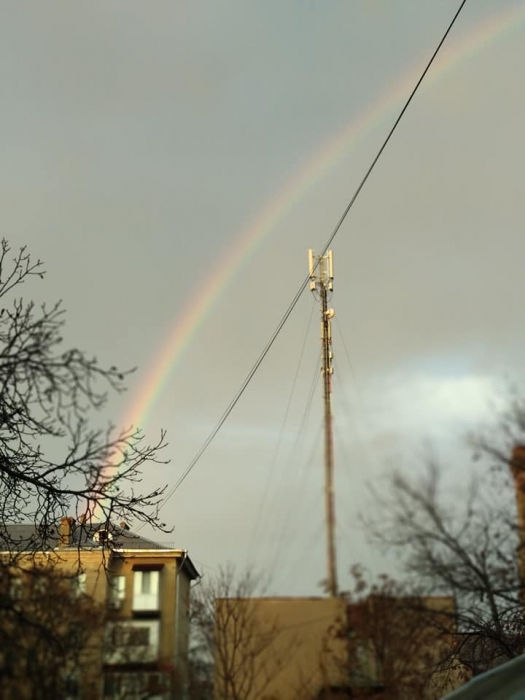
[{"x": 321, "y": 284}]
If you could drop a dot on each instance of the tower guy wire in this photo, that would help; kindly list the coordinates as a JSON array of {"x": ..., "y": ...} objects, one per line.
[{"x": 255, "y": 531}]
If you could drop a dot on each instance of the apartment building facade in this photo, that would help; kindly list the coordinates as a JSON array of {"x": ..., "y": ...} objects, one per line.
[{"x": 129, "y": 603}]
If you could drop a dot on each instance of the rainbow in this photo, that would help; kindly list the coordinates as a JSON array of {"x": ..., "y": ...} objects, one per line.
[{"x": 485, "y": 33}]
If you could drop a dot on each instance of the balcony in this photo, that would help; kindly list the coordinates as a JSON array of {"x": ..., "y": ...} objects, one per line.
[{"x": 132, "y": 642}]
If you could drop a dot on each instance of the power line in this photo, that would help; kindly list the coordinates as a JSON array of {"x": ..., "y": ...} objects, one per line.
[
  {"x": 311, "y": 537},
  {"x": 305, "y": 282},
  {"x": 391, "y": 132},
  {"x": 363, "y": 412},
  {"x": 271, "y": 471},
  {"x": 285, "y": 532},
  {"x": 296, "y": 454},
  {"x": 237, "y": 396}
]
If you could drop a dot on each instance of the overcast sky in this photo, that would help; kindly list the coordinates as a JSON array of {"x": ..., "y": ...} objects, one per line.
[{"x": 141, "y": 144}]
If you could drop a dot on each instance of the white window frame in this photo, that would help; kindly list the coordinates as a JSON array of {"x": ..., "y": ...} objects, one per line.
[{"x": 148, "y": 599}]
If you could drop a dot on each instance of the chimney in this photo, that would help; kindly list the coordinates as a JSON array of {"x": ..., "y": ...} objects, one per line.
[
  {"x": 124, "y": 525},
  {"x": 517, "y": 467},
  {"x": 65, "y": 531}
]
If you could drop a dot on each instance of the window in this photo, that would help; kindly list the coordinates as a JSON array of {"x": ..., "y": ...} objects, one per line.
[
  {"x": 71, "y": 687},
  {"x": 102, "y": 536},
  {"x": 138, "y": 637},
  {"x": 78, "y": 584},
  {"x": 135, "y": 686},
  {"x": 41, "y": 585},
  {"x": 132, "y": 642},
  {"x": 146, "y": 582},
  {"x": 122, "y": 685},
  {"x": 76, "y": 634},
  {"x": 117, "y": 591},
  {"x": 16, "y": 588},
  {"x": 146, "y": 590},
  {"x": 128, "y": 636},
  {"x": 155, "y": 683}
]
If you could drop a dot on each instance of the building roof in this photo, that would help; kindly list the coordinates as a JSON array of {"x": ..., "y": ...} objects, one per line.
[{"x": 28, "y": 537}]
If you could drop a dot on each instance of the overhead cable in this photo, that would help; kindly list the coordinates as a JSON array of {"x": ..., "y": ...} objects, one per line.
[{"x": 306, "y": 280}]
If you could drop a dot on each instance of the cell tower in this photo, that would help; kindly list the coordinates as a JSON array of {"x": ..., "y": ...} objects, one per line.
[{"x": 321, "y": 284}]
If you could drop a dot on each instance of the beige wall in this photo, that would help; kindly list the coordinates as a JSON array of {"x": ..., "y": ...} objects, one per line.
[
  {"x": 68, "y": 563},
  {"x": 292, "y": 648},
  {"x": 285, "y": 648},
  {"x": 398, "y": 643}
]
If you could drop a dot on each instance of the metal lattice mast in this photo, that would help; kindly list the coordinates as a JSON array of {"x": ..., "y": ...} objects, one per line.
[{"x": 321, "y": 283}]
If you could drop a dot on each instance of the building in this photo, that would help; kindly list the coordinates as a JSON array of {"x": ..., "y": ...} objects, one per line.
[
  {"x": 396, "y": 646},
  {"x": 121, "y": 599},
  {"x": 313, "y": 648},
  {"x": 278, "y": 648}
]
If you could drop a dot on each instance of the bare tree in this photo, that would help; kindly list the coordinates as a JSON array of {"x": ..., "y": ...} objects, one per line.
[
  {"x": 463, "y": 546},
  {"x": 397, "y": 639},
  {"x": 52, "y": 461},
  {"x": 235, "y": 638},
  {"x": 46, "y": 631}
]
